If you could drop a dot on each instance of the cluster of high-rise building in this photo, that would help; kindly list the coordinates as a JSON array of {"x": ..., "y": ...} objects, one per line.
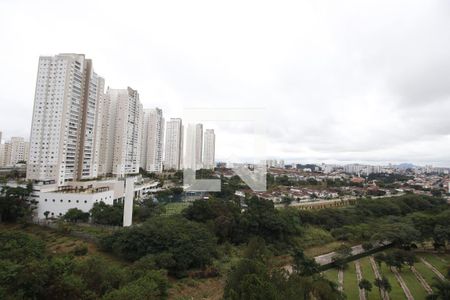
[
  {"x": 13, "y": 152},
  {"x": 273, "y": 163},
  {"x": 198, "y": 146},
  {"x": 80, "y": 131}
]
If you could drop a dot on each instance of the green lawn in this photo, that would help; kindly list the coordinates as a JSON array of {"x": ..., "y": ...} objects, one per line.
[
  {"x": 351, "y": 288},
  {"x": 368, "y": 274},
  {"x": 415, "y": 287},
  {"x": 175, "y": 208},
  {"x": 332, "y": 275},
  {"x": 426, "y": 273},
  {"x": 441, "y": 263},
  {"x": 397, "y": 291}
]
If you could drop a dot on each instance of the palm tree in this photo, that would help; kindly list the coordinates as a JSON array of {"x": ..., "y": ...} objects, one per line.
[
  {"x": 383, "y": 283},
  {"x": 365, "y": 285}
]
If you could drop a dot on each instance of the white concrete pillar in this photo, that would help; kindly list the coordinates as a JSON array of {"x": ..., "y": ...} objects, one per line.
[{"x": 128, "y": 202}]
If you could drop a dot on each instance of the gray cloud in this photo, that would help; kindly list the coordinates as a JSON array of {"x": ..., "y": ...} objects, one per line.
[{"x": 340, "y": 80}]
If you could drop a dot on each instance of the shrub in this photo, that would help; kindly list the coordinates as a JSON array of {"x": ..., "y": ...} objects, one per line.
[{"x": 80, "y": 250}]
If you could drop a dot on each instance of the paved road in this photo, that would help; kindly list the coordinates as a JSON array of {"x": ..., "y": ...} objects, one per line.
[{"x": 328, "y": 258}]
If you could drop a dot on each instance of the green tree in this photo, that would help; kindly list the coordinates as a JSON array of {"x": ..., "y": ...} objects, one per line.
[
  {"x": 16, "y": 203},
  {"x": 365, "y": 285},
  {"x": 188, "y": 244},
  {"x": 222, "y": 217},
  {"x": 400, "y": 234},
  {"x": 105, "y": 214},
  {"x": 75, "y": 215},
  {"x": 441, "y": 236},
  {"x": 262, "y": 219},
  {"x": 251, "y": 278},
  {"x": 151, "y": 285},
  {"x": 441, "y": 290},
  {"x": 379, "y": 258},
  {"x": 147, "y": 208},
  {"x": 18, "y": 246},
  {"x": 100, "y": 276},
  {"x": 367, "y": 246},
  {"x": 304, "y": 265},
  {"x": 383, "y": 284}
]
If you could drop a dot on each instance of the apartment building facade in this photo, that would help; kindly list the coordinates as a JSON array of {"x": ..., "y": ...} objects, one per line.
[
  {"x": 152, "y": 140},
  {"x": 122, "y": 132},
  {"x": 173, "y": 151},
  {"x": 62, "y": 142},
  {"x": 209, "y": 156}
]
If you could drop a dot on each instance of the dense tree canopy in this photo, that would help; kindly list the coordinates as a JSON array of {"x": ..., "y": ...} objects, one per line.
[
  {"x": 16, "y": 203},
  {"x": 252, "y": 278},
  {"x": 146, "y": 208},
  {"x": 175, "y": 243},
  {"x": 232, "y": 223},
  {"x": 102, "y": 213},
  {"x": 28, "y": 272},
  {"x": 75, "y": 215},
  {"x": 195, "y": 238}
]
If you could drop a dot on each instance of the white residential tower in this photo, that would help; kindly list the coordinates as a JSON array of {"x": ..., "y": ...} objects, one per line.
[
  {"x": 209, "y": 152},
  {"x": 152, "y": 140},
  {"x": 62, "y": 143},
  {"x": 174, "y": 144}
]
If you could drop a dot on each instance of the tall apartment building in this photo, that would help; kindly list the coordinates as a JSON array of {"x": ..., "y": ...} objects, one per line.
[
  {"x": 152, "y": 140},
  {"x": 2, "y": 155},
  {"x": 121, "y": 131},
  {"x": 106, "y": 136},
  {"x": 16, "y": 150},
  {"x": 194, "y": 147},
  {"x": 209, "y": 152},
  {"x": 91, "y": 123},
  {"x": 174, "y": 144},
  {"x": 63, "y": 141}
]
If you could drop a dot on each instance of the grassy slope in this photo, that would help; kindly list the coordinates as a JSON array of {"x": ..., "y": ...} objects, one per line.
[
  {"x": 397, "y": 291},
  {"x": 189, "y": 289},
  {"x": 440, "y": 262},
  {"x": 322, "y": 249},
  {"x": 332, "y": 275},
  {"x": 368, "y": 274},
  {"x": 175, "y": 207},
  {"x": 413, "y": 284},
  {"x": 426, "y": 273},
  {"x": 351, "y": 288},
  {"x": 58, "y": 243},
  {"x": 212, "y": 288}
]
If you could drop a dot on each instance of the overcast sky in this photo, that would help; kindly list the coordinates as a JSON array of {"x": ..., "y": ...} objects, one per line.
[{"x": 340, "y": 81}]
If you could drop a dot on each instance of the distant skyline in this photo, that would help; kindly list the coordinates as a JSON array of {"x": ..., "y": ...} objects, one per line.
[{"x": 341, "y": 81}]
